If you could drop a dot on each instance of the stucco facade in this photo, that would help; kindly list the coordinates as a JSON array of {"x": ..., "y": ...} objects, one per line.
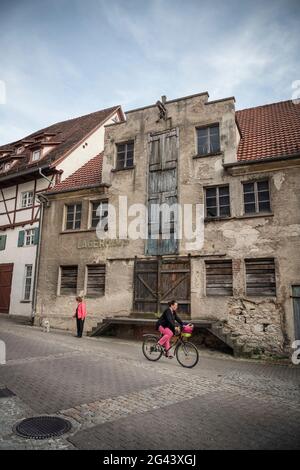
[{"x": 256, "y": 323}]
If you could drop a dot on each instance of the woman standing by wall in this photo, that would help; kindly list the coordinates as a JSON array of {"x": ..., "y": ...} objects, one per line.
[{"x": 80, "y": 315}]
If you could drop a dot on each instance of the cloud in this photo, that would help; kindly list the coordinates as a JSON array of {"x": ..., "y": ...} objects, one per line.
[{"x": 58, "y": 63}]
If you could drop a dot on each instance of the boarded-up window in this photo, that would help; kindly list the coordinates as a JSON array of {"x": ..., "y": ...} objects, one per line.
[
  {"x": 68, "y": 280},
  {"x": 95, "y": 280},
  {"x": 260, "y": 277},
  {"x": 219, "y": 277}
]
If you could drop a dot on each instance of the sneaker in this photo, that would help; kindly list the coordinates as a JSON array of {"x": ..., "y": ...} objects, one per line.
[{"x": 169, "y": 355}]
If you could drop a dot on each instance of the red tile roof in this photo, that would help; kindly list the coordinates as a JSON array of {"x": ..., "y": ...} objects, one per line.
[
  {"x": 63, "y": 135},
  {"x": 272, "y": 130},
  {"x": 86, "y": 176}
]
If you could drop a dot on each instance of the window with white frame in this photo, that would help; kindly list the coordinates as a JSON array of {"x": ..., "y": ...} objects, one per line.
[
  {"x": 27, "y": 282},
  {"x": 256, "y": 197},
  {"x": 27, "y": 199},
  {"x": 73, "y": 216},
  {"x": 99, "y": 214},
  {"x": 29, "y": 237},
  {"x": 36, "y": 155},
  {"x": 217, "y": 201}
]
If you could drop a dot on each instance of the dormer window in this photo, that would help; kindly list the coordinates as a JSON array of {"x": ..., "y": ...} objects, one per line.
[
  {"x": 7, "y": 165},
  {"x": 36, "y": 155}
]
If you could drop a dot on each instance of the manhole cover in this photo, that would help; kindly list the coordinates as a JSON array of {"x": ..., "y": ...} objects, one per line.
[{"x": 42, "y": 427}]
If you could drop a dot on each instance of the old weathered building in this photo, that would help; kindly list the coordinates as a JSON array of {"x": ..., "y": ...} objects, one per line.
[{"x": 243, "y": 166}]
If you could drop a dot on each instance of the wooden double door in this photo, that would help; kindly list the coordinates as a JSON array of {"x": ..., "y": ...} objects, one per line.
[
  {"x": 162, "y": 193},
  {"x": 158, "y": 281}
]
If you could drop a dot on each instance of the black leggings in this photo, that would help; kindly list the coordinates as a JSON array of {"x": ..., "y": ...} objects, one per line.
[{"x": 80, "y": 324}]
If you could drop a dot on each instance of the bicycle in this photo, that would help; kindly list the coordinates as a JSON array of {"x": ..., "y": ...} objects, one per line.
[{"x": 186, "y": 352}]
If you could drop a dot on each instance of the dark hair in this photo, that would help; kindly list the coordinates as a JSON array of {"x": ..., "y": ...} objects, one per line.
[
  {"x": 172, "y": 302},
  {"x": 79, "y": 299}
]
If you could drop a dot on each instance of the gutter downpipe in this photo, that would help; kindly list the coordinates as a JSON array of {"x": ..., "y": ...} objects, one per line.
[{"x": 37, "y": 258}]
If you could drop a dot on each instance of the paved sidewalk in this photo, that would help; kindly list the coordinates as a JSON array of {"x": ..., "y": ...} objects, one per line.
[{"x": 116, "y": 399}]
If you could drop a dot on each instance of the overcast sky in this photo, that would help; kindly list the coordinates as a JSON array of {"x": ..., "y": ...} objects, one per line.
[{"x": 64, "y": 58}]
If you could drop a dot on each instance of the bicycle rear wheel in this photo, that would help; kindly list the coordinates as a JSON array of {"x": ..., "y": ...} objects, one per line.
[
  {"x": 150, "y": 349},
  {"x": 187, "y": 354}
]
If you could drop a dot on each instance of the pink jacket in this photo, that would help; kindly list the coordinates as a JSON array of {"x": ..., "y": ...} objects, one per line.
[{"x": 81, "y": 311}]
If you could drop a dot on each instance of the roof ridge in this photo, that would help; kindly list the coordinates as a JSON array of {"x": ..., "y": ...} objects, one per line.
[
  {"x": 263, "y": 105},
  {"x": 112, "y": 108}
]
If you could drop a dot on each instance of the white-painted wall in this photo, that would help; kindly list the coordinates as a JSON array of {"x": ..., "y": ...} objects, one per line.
[
  {"x": 19, "y": 256},
  {"x": 81, "y": 154}
]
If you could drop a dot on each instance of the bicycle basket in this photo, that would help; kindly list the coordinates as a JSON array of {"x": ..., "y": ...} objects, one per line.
[
  {"x": 186, "y": 335},
  {"x": 187, "y": 331}
]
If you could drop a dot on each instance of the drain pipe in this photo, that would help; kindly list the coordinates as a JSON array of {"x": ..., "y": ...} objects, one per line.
[
  {"x": 42, "y": 199},
  {"x": 45, "y": 177}
]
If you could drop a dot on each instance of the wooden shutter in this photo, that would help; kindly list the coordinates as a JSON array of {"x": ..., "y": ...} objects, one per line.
[
  {"x": 95, "y": 280},
  {"x": 219, "y": 277},
  {"x": 296, "y": 305},
  {"x": 162, "y": 187},
  {"x": 36, "y": 235},
  {"x": 21, "y": 238},
  {"x": 260, "y": 277},
  {"x": 2, "y": 242},
  {"x": 68, "y": 282}
]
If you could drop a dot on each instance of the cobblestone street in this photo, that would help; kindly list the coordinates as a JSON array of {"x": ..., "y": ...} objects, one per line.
[{"x": 116, "y": 399}]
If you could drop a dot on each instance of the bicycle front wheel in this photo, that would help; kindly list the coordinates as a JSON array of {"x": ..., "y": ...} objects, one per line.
[
  {"x": 187, "y": 355},
  {"x": 150, "y": 349}
]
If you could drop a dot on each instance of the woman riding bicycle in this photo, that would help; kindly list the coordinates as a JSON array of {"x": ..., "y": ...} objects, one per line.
[{"x": 167, "y": 327}]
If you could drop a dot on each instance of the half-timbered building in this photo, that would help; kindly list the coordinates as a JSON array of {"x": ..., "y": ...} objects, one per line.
[{"x": 28, "y": 167}]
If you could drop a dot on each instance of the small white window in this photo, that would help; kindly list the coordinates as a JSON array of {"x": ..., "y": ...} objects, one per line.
[
  {"x": 27, "y": 282},
  {"x": 36, "y": 155},
  {"x": 29, "y": 237},
  {"x": 27, "y": 199}
]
